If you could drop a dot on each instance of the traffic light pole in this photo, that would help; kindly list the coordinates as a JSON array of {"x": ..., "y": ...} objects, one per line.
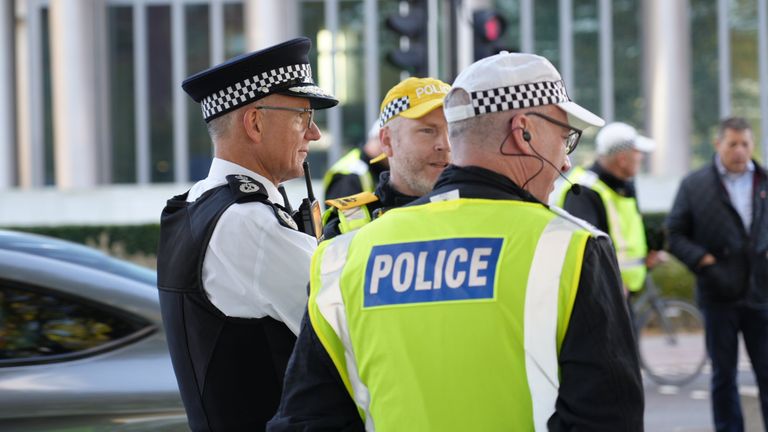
[
  {"x": 432, "y": 38},
  {"x": 372, "y": 78},
  {"x": 334, "y": 115}
]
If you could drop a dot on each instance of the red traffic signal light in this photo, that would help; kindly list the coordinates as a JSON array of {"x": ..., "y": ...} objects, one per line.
[
  {"x": 488, "y": 25},
  {"x": 488, "y": 28}
]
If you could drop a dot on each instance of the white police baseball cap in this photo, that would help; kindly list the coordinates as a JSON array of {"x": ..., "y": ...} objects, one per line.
[
  {"x": 508, "y": 81},
  {"x": 617, "y": 137}
]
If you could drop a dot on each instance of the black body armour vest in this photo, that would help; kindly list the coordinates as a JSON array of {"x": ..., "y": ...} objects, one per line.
[{"x": 229, "y": 370}]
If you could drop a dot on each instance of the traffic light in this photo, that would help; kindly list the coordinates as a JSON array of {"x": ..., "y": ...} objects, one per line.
[
  {"x": 410, "y": 24},
  {"x": 488, "y": 27}
]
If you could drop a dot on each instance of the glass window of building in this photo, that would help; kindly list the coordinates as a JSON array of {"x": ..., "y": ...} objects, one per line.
[
  {"x": 157, "y": 56},
  {"x": 705, "y": 73},
  {"x": 122, "y": 118}
]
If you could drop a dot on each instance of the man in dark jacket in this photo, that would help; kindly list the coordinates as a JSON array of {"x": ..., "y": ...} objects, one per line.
[
  {"x": 471, "y": 349},
  {"x": 718, "y": 227}
]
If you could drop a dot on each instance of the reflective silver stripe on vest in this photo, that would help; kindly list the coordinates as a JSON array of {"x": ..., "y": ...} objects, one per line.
[
  {"x": 541, "y": 318},
  {"x": 632, "y": 263},
  {"x": 331, "y": 305}
]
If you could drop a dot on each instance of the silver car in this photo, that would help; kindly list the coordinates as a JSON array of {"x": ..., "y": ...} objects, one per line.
[{"x": 82, "y": 346}]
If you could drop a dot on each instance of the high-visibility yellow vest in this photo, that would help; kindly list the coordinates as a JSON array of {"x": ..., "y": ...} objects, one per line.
[
  {"x": 351, "y": 163},
  {"x": 450, "y": 316},
  {"x": 625, "y": 226}
]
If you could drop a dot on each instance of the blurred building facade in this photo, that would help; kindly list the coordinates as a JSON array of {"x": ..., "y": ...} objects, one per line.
[{"x": 91, "y": 92}]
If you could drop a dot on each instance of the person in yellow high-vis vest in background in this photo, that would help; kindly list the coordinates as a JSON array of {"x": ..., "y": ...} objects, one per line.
[
  {"x": 477, "y": 307},
  {"x": 608, "y": 198},
  {"x": 358, "y": 170}
]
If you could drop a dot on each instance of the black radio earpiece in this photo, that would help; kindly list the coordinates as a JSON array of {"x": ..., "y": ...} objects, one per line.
[{"x": 526, "y": 135}]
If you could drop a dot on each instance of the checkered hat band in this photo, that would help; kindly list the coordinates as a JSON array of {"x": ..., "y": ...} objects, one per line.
[
  {"x": 251, "y": 88},
  {"x": 394, "y": 108},
  {"x": 519, "y": 96},
  {"x": 621, "y": 146}
]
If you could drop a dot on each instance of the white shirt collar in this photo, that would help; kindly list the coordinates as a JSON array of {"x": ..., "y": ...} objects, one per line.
[
  {"x": 723, "y": 171},
  {"x": 221, "y": 168}
]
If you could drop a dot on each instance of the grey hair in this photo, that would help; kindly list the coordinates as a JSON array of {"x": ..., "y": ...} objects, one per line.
[
  {"x": 219, "y": 127},
  {"x": 479, "y": 129}
]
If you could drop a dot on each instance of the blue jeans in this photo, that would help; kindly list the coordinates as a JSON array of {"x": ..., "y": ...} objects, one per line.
[{"x": 722, "y": 324}]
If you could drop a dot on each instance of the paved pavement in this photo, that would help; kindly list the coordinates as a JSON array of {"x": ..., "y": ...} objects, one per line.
[{"x": 687, "y": 408}]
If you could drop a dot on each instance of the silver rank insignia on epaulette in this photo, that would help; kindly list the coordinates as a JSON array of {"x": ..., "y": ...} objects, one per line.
[
  {"x": 287, "y": 219},
  {"x": 249, "y": 188},
  {"x": 247, "y": 185}
]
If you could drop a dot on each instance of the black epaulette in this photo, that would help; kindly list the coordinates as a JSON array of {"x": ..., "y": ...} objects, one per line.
[{"x": 246, "y": 189}]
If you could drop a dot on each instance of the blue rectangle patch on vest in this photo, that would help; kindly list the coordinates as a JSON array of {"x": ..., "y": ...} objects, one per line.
[{"x": 432, "y": 271}]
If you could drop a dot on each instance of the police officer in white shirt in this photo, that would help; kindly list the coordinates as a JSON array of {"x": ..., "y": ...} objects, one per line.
[{"x": 232, "y": 266}]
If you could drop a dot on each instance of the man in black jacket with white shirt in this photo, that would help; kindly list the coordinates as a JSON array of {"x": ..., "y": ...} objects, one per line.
[
  {"x": 232, "y": 266},
  {"x": 718, "y": 227}
]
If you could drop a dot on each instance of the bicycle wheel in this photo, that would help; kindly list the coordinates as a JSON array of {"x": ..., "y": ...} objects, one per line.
[{"x": 671, "y": 343}]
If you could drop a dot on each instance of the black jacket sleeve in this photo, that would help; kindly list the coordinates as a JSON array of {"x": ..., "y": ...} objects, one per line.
[
  {"x": 679, "y": 225},
  {"x": 314, "y": 397},
  {"x": 587, "y": 205},
  {"x": 331, "y": 227},
  {"x": 343, "y": 185},
  {"x": 600, "y": 388}
]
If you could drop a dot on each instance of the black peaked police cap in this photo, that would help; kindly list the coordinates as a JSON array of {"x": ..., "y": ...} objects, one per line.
[{"x": 280, "y": 69}]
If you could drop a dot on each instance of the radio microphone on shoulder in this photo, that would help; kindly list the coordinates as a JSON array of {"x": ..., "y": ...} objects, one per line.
[{"x": 575, "y": 187}]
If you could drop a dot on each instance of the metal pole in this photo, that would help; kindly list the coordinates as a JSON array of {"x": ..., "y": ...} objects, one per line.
[
  {"x": 178, "y": 71},
  {"x": 7, "y": 104},
  {"x": 566, "y": 42},
  {"x": 606, "y": 59},
  {"x": 526, "y": 26},
  {"x": 29, "y": 76},
  {"x": 372, "y": 78},
  {"x": 216, "y": 21},
  {"x": 334, "y": 114},
  {"x": 141, "y": 91},
  {"x": 668, "y": 74},
  {"x": 432, "y": 38},
  {"x": 73, "y": 78}
]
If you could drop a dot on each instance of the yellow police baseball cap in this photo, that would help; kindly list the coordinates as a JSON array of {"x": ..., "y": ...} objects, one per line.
[{"x": 413, "y": 98}]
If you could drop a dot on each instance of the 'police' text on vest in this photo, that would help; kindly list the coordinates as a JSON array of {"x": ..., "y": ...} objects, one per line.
[{"x": 432, "y": 271}]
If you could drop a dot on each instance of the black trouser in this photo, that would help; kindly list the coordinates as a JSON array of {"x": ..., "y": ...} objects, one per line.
[{"x": 723, "y": 323}]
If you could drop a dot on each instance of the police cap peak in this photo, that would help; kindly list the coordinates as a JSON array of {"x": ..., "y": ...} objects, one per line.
[{"x": 280, "y": 69}]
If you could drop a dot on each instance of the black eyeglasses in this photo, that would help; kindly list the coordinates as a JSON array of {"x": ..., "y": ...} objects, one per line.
[
  {"x": 302, "y": 111},
  {"x": 572, "y": 140}
]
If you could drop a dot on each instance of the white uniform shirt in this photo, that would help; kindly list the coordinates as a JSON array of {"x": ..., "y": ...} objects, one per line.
[{"x": 254, "y": 267}]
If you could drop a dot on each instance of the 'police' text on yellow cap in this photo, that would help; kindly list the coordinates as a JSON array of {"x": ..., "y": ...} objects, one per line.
[{"x": 413, "y": 98}]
